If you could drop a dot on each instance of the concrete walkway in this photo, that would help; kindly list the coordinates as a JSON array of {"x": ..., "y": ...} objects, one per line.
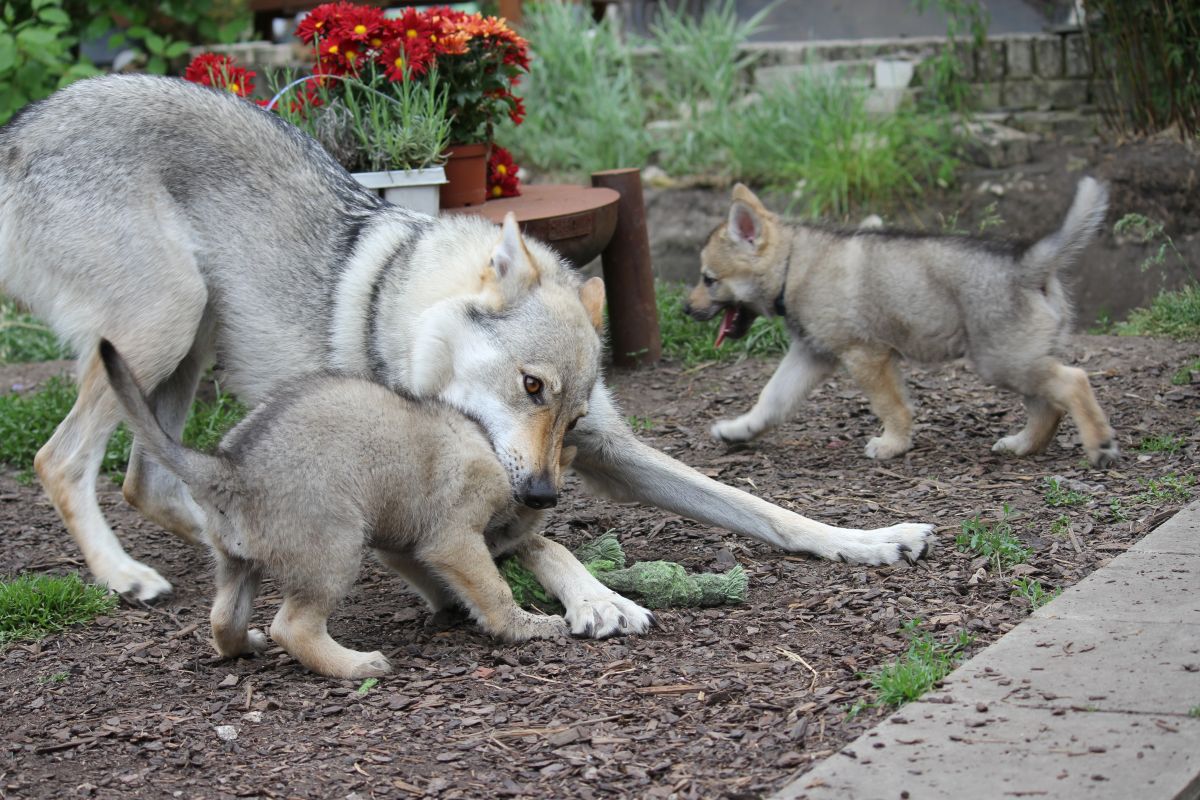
[{"x": 1088, "y": 698}]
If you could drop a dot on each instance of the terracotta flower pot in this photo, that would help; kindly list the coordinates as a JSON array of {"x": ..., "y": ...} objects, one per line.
[{"x": 466, "y": 175}]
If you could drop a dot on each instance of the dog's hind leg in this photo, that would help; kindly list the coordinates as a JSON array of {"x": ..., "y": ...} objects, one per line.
[
  {"x": 877, "y": 373},
  {"x": 1068, "y": 388},
  {"x": 149, "y": 487},
  {"x": 798, "y": 374},
  {"x": 68, "y": 466},
  {"x": 237, "y": 584},
  {"x": 1038, "y": 431}
]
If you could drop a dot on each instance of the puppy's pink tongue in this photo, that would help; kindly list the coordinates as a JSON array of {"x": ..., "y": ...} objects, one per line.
[{"x": 727, "y": 322}]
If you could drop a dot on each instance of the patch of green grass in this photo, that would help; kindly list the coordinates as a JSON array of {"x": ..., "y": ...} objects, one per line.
[
  {"x": 1116, "y": 510},
  {"x": 1034, "y": 592},
  {"x": 1103, "y": 325},
  {"x": 56, "y": 677},
  {"x": 26, "y": 338},
  {"x": 640, "y": 423},
  {"x": 1173, "y": 314},
  {"x": 1058, "y": 495},
  {"x": 1169, "y": 487},
  {"x": 1165, "y": 443},
  {"x": 1183, "y": 376},
  {"x": 1060, "y": 525},
  {"x": 28, "y": 420},
  {"x": 367, "y": 685},
  {"x": 925, "y": 663},
  {"x": 691, "y": 342},
  {"x": 35, "y": 606},
  {"x": 996, "y": 541}
]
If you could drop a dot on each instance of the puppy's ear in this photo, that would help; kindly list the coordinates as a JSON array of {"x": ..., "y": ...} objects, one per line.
[
  {"x": 745, "y": 225},
  {"x": 591, "y": 294},
  {"x": 512, "y": 266},
  {"x": 742, "y": 194}
]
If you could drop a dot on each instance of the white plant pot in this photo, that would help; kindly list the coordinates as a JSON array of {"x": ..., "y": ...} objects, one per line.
[{"x": 417, "y": 189}]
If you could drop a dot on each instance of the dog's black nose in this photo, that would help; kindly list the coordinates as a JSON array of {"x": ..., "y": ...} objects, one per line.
[{"x": 540, "y": 493}]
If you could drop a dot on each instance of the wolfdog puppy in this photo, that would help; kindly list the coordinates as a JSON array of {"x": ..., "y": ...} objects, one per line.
[
  {"x": 865, "y": 298},
  {"x": 329, "y": 465}
]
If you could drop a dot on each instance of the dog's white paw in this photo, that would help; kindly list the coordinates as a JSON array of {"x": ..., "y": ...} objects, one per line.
[
  {"x": 257, "y": 641},
  {"x": 731, "y": 430},
  {"x": 135, "y": 581},
  {"x": 369, "y": 665},
  {"x": 885, "y": 447},
  {"x": 908, "y": 541},
  {"x": 608, "y": 615},
  {"x": 1105, "y": 455}
]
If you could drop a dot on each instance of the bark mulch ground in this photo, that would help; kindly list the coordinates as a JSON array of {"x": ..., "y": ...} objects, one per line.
[{"x": 729, "y": 702}]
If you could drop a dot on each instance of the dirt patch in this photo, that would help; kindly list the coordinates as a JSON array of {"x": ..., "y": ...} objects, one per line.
[{"x": 731, "y": 702}]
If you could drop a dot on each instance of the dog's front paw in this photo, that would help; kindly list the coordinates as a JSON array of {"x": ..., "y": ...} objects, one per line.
[
  {"x": 907, "y": 541},
  {"x": 885, "y": 447},
  {"x": 609, "y": 615},
  {"x": 732, "y": 430},
  {"x": 135, "y": 581},
  {"x": 1019, "y": 444},
  {"x": 1105, "y": 455}
]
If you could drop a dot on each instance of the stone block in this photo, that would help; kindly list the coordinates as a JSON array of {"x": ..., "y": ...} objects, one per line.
[
  {"x": 1063, "y": 94},
  {"x": 1020, "y": 94},
  {"x": 1077, "y": 59},
  {"x": 987, "y": 96},
  {"x": 1019, "y": 57},
  {"x": 1048, "y": 57},
  {"x": 989, "y": 62}
]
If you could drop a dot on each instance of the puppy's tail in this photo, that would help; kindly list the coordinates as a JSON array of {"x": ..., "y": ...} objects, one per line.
[
  {"x": 191, "y": 467},
  {"x": 1059, "y": 248}
]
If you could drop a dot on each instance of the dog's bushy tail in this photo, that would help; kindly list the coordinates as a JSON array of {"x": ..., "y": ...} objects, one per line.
[
  {"x": 1058, "y": 249},
  {"x": 191, "y": 467}
]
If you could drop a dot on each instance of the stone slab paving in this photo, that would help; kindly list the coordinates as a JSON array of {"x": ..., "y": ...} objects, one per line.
[{"x": 1088, "y": 698}]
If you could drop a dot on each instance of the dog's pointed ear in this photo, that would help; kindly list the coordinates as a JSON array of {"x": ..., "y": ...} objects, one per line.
[
  {"x": 591, "y": 294},
  {"x": 511, "y": 262},
  {"x": 745, "y": 224}
]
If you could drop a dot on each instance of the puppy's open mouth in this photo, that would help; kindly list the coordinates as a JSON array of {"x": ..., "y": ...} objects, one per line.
[{"x": 735, "y": 323}]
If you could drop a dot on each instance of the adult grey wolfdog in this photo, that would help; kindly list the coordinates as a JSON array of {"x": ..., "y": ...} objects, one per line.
[
  {"x": 412, "y": 479},
  {"x": 184, "y": 224},
  {"x": 865, "y": 298}
]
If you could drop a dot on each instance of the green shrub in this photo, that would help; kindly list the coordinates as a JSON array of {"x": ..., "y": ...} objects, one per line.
[
  {"x": 1173, "y": 314},
  {"x": 691, "y": 342},
  {"x": 24, "y": 338}
]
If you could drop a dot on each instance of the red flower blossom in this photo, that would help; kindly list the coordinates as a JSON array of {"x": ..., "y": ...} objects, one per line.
[
  {"x": 414, "y": 55},
  {"x": 361, "y": 24},
  {"x": 502, "y": 174},
  {"x": 212, "y": 69}
]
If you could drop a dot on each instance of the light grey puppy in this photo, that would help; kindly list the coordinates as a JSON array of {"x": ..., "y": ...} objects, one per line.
[
  {"x": 868, "y": 297},
  {"x": 185, "y": 224},
  {"x": 331, "y": 464}
]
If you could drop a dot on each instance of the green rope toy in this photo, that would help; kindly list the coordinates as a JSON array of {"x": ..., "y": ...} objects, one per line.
[{"x": 659, "y": 584}]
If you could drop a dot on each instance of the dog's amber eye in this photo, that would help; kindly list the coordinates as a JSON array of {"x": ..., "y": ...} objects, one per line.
[
  {"x": 532, "y": 385},
  {"x": 708, "y": 280}
]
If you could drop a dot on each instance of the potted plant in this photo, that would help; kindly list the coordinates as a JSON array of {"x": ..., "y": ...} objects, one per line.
[
  {"x": 477, "y": 59},
  {"x": 391, "y": 135}
]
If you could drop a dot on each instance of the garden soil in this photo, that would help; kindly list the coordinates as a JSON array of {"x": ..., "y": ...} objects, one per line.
[{"x": 727, "y": 702}]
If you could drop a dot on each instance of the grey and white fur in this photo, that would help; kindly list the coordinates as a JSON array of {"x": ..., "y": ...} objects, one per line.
[
  {"x": 867, "y": 298},
  {"x": 185, "y": 224}
]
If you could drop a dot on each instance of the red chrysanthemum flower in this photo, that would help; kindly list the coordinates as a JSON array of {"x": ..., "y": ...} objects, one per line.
[
  {"x": 502, "y": 174},
  {"x": 361, "y": 24},
  {"x": 221, "y": 72},
  {"x": 319, "y": 23},
  {"x": 403, "y": 56}
]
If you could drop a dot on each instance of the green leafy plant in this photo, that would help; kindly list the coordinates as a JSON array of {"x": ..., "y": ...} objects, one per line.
[
  {"x": 1061, "y": 525},
  {"x": 366, "y": 686},
  {"x": 1169, "y": 487},
  {"x": 37, "y": 53},
  {"x": 1164, "y": 443},
  {"x": 55, "y": 677},
  {"x": 946, "y": 76},
  {"x": 1059, "y": 495},
  {"x": 1183, "y": 375},
  {"x": 925, "y": 663},
  {"x": 35, "y": 606},
  {"x": 691, "y": 342},
  {"x": 26, "y": 338},
  {"x": 1174, "y": 314},
  {"x": 640, "y": 423},
  {"x": 996, "y": 542},
  {"x": 1034, "y": 592}
]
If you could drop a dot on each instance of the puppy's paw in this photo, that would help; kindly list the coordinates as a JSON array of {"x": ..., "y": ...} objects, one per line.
[
  {"x": 885, "y": 447},
  {"x": 256, "y": 642},
  {"x": 607, "y": 615},
  {"x": 368, "y": 665},
  {"x": 732, "y": 431},
  {"x": 1016, "y": 445},
  {"x": 1106, "y": 455}
]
